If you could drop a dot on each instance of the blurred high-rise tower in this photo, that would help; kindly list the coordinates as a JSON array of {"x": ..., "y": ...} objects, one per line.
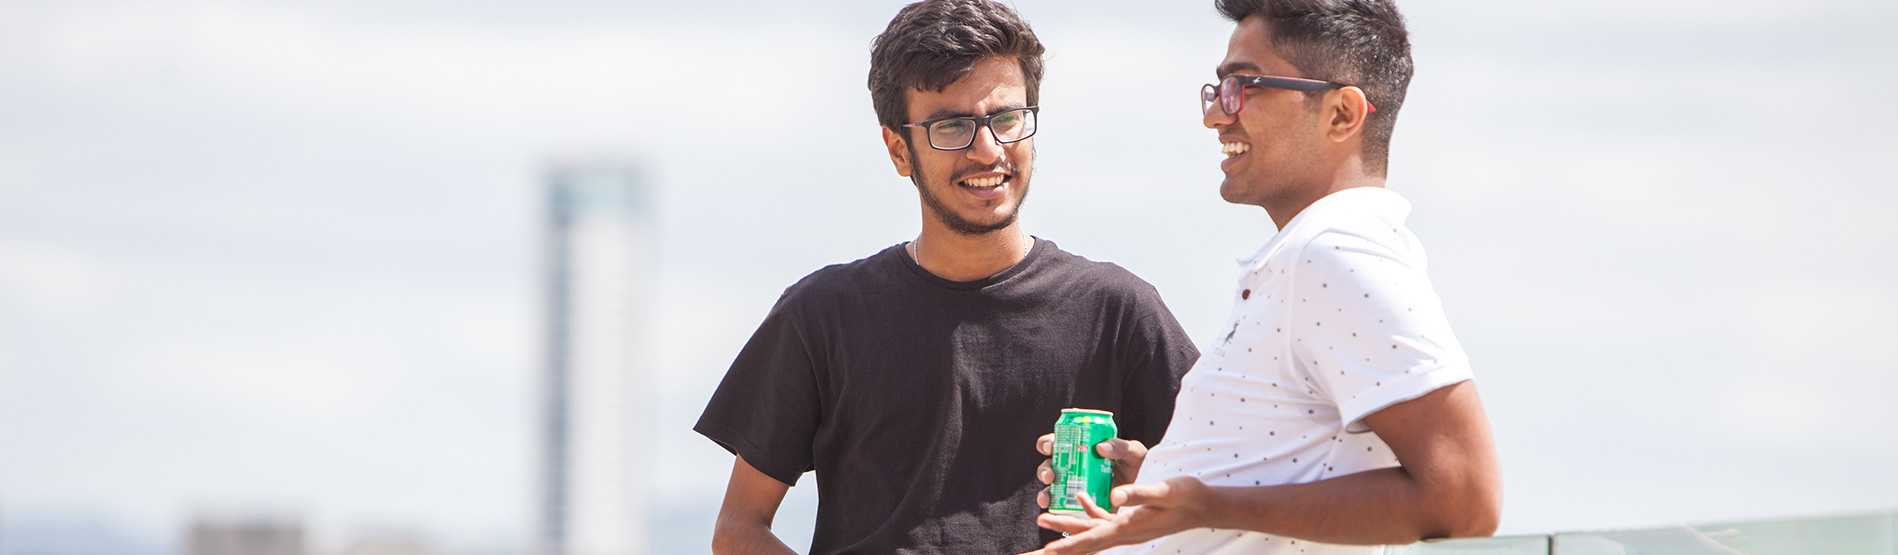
[{"x": 598, "y": 260}]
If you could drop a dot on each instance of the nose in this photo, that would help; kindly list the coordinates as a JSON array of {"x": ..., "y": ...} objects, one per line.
[
  {"x": 1215, "y": 117},
  {"x": 985, "y": 149}
]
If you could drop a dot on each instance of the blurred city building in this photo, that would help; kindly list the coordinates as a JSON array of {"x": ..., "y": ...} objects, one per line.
[
  {"x": 598, "y": 254},
  {"x": 245, "y": 536},
  {"x": 387, "y": 543}
]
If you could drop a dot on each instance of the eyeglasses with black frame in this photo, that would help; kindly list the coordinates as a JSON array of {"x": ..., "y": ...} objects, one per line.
[
  {"x": 1007, "y": 126},
  {"x": 1230, "y": 92}
]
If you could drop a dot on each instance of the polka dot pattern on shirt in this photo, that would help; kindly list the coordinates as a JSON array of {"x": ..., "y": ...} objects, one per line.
[{"x": 1366, "y": 317}]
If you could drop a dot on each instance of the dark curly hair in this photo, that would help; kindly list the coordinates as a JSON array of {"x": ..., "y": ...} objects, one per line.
[{"x": 934, "y": 43}]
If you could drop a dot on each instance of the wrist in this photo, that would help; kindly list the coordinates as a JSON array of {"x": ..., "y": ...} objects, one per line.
[{"x": 1204, "y": 503}]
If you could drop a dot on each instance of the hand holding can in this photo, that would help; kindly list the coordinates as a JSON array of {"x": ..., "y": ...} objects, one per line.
[{"x": 1078, "y": 467}]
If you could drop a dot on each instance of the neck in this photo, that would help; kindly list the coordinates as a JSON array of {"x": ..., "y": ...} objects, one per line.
[
  {"x": 1348, "y": 175},
  {"x": 957, "y": 257}
]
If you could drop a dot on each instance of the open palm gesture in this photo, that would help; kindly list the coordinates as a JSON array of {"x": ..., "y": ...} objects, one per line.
[{"x": 1147, "y": 511}]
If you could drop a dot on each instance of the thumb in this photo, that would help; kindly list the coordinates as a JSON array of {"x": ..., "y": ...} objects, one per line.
[
  {"x": 1119, "y": 449},
  {"x": 1137, "y": 494}
]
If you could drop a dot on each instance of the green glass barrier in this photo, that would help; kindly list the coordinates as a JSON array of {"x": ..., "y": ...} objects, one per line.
[
  {"x": 1858, "y": 535},
  {"x": 1867, "y": 535},
  {"x": 1508, "y": 545}
]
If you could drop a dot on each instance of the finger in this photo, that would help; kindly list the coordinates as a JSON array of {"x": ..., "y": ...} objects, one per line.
[
  {"x": 1128, "y": 455},
  {"x": 1041, "y": 498},
  {"x": 1117, "y": 448},
  {"x": 1100, "y": 537},
  {"x": 1093, "y": 510},
  {"x": 1136, "y": 449},
  {"x": 1045, "y": 444},
  {"x": 1138, "y": 494},
  {"x": 1045, "y": 472},
  {"x": 1064, "y": 523}
]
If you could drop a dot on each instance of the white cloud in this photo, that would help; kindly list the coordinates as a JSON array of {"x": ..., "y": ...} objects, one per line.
[
  {"x": 1812, "y": 370},
  {"x": 9, "y": 175},
  {"x": 1838, "y": 317},
  {"x": 1684, "y": 14},
  {"x": 479, "y": 331},
  {"x": 1777, "y": 408},
  {"x": 614, "y": 82},
  {"x": 46, "y": 280},
  {"x": 305, "y": 380}
]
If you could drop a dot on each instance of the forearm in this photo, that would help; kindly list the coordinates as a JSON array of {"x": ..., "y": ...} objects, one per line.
[
  {"x": 751, "y": 538},
  {"x": 744, "y": 520},
  {"x": 1384, "y": 506},
  {"x": 1450, "y": 484}
]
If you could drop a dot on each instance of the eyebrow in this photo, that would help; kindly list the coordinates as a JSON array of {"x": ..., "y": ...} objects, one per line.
[
  {"x": 1235, "y": 67},
  {"x": 955, "y": 113}
]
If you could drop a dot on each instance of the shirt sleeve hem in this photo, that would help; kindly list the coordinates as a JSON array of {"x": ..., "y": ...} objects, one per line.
[
  {"x": 755, "y": 456},
  {"x": 1417, "y": 384}
]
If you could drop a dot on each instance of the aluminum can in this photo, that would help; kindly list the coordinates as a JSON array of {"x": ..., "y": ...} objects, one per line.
[{"x": 1077, "y": 466}]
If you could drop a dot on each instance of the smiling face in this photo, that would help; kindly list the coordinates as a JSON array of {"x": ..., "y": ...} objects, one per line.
[
  {"x": 1276, "y": 146},
  {"x": 979, "y": 189}
]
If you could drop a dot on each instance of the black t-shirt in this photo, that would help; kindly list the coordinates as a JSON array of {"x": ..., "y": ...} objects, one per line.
[{"x": 917, "y": 400}]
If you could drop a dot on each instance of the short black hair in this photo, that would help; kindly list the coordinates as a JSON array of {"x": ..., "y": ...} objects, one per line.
[
  {"x": 1355, "y": 42},
  {"x": 934, "y": 43}
]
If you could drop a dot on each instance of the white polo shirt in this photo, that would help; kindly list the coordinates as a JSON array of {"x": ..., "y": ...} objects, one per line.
[{"x": 1334, "y": 319}]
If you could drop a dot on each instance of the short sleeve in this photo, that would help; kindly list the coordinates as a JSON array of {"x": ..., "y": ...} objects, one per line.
[
  {"x": 1368, "y": 326},
  {"x": 1157, "y": 353},
  {"x": 767, "y": 408}
]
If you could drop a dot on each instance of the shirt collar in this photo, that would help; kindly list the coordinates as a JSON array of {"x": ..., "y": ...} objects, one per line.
[{"x": 1378, "y": 201}]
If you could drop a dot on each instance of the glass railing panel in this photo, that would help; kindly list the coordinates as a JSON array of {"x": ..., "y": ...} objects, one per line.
[
  {"x": 1866, "y": 535},
  {"x": 1509, "y": 545}
]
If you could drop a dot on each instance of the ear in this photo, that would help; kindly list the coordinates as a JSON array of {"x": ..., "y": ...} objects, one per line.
[
  {"x": 1349, "y": 108},
  {"x": 899, "y": 151}
]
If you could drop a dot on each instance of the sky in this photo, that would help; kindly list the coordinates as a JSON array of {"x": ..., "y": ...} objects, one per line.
[{"x": 280, "y": 257}]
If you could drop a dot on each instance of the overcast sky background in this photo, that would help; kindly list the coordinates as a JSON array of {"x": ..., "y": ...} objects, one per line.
[{"x": 280, "y": 257}]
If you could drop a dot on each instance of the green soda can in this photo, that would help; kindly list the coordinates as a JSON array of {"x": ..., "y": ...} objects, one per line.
[{"x": 1077, "y": 466}]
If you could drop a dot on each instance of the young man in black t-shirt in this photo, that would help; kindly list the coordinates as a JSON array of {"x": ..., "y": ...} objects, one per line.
[{"x": 907, "y": 380}]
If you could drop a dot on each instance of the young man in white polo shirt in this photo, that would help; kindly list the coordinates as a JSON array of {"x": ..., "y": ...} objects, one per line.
[{"x": 1337, "y": 412}]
